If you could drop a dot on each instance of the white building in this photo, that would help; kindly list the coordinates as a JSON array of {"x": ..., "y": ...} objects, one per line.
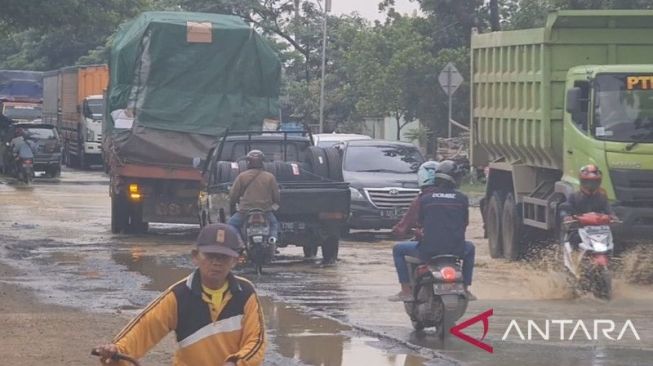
[{"x": 386, "y": 128}]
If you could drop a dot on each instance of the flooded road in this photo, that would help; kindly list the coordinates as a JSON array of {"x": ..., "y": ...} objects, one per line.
[{"x": 57, "y": 233}]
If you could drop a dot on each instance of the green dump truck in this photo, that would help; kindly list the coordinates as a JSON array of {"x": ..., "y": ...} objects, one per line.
[
  {"x": 177, "y": 81},
  {"x": 547, "y": 101}
]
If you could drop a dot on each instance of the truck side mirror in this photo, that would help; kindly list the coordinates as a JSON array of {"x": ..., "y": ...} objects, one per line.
[{"x": 573, "y": 100}]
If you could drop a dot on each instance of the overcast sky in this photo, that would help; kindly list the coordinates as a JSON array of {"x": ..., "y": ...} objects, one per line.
[{"x": 370, "y": 8}]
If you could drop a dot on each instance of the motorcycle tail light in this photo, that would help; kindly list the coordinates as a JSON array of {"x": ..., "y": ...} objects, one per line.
[
  {"x": 448, "y": 274},
  {"x": 601, "y": 260},
  {"x": 422, "y": 270}
]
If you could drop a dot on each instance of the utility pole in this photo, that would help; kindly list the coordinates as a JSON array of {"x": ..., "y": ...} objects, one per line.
[{"x": 327, "y": 8}]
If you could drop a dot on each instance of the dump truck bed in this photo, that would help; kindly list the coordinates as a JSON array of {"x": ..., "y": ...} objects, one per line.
[{"x": 518, "y": 79}]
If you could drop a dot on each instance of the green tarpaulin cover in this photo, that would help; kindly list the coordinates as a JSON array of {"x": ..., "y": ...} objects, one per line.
[
  {"x": 197, "y": 87},
  {"x": 191, "y": 73}
]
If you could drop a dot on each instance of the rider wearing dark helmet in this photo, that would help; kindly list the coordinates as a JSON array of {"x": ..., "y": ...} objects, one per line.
[
  {"x": 255, "y": 189},
  {"x": 441, "y": 214},
  {"x": 589, "y": 198}
]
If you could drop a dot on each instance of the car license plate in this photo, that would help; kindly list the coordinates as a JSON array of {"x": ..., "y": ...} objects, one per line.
[{"x": 392, "y": 212}]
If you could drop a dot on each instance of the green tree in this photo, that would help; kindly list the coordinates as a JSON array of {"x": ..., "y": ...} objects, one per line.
[
  {"x": 388, "y": 65},
  {"x": 42, "y": 34},
  {"x": 302, "y": 100}
]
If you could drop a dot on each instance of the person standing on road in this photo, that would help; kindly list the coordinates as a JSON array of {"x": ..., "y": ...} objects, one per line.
[
  {"x": 441, "y": 215},
  {"x": 255, "y": 189},
  {"x": 216, "y": 315}
]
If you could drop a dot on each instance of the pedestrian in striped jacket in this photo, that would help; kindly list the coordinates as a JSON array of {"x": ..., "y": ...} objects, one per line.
[{"x": 216, "y": 316}]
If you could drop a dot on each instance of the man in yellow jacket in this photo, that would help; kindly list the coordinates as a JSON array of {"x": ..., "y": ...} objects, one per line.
[{"x": 216, "y": 315}]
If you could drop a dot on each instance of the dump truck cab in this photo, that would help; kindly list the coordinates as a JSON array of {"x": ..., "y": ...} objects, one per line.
[
  {"x": 547, "y": 101},
  {"x": 609, "y": 123}
]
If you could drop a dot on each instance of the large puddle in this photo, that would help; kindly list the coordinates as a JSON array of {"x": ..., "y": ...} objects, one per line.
[
  {"x": 57, "y": 234},
  {"x": 97, "y": 278}
]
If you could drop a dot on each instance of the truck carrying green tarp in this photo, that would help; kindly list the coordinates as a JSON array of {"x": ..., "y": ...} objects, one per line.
[{"x": 185, "y": 78}]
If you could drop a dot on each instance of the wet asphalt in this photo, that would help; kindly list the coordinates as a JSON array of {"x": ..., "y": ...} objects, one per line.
[{"x": 58, "y": 231}]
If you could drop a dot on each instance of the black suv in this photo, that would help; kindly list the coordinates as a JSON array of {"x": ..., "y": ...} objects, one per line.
[{"x": 383, "y": 181}]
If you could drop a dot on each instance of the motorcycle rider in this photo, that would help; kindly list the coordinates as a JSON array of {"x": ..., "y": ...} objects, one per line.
[
  {"x": 20, "y": 148},
  {"x": 255, "y": 189},
  {"x": 589, "y": 198},
  {"x": 442, "y": 214}
]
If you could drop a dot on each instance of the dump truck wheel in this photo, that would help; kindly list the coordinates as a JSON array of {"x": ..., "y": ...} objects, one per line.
[
  {"x": 511, "y": 229},
  {"x": 493, "y": 225}
]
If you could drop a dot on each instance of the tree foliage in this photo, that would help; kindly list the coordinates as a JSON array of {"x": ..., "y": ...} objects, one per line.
[
  {"x": 384, "y": 68},
  {"x": 390, "y": 66},
  {"x": 42, "y": 35}
]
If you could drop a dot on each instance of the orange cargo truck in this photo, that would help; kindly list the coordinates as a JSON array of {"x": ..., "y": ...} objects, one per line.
[{"x": 73, "y": 101}]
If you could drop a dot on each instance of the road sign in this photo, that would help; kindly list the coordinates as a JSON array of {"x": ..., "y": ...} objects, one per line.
[{"x": 450, "y": 79}]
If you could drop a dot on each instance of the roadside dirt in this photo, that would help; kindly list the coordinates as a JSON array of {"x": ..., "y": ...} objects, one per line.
[{"x": 37, "y": 334}]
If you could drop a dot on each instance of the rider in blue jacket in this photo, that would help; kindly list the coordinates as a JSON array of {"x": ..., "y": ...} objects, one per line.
[{"x": 442, "y": 214}]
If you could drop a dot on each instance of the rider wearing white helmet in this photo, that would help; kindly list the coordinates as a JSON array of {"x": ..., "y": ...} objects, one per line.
[{"x": 440, "y": 214}]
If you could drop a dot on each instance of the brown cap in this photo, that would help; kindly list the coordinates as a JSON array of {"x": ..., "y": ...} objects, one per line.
[{"x": 220, "y": 238}]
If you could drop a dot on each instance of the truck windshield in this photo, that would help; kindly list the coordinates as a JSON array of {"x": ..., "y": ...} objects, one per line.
[
  {"x": 382, "y": 158},
  {"x": 623, "y": 107},
  {"x": 95, "y": 108},
  {"x": 22, "y": 113}
]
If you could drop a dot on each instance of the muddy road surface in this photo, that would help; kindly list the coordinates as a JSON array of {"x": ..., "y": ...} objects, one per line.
[{"x": 67, "y": 283}]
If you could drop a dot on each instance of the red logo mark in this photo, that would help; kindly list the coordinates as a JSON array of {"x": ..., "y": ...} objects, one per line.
[{"x": 486, "y": 327}]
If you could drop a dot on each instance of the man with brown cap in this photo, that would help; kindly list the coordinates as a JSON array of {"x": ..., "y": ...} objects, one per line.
[{"x": 216, "y": 315}]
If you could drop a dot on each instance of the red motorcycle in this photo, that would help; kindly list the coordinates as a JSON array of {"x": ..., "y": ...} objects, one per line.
[{"x": 589, "y": 262}]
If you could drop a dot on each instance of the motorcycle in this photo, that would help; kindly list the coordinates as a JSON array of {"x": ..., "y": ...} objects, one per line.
[
  {"x": 259, "y": 245},
  {"x": 589, "y": 265},
  {"x": 439, "y": 297},
  {"x": 24, "y": 170}
]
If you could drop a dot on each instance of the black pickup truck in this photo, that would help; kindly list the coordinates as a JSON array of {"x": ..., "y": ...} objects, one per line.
[{"x": 314, "y": 198}]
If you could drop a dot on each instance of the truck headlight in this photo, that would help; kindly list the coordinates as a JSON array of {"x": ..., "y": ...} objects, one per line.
[{"x": 356, "y": 195}]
